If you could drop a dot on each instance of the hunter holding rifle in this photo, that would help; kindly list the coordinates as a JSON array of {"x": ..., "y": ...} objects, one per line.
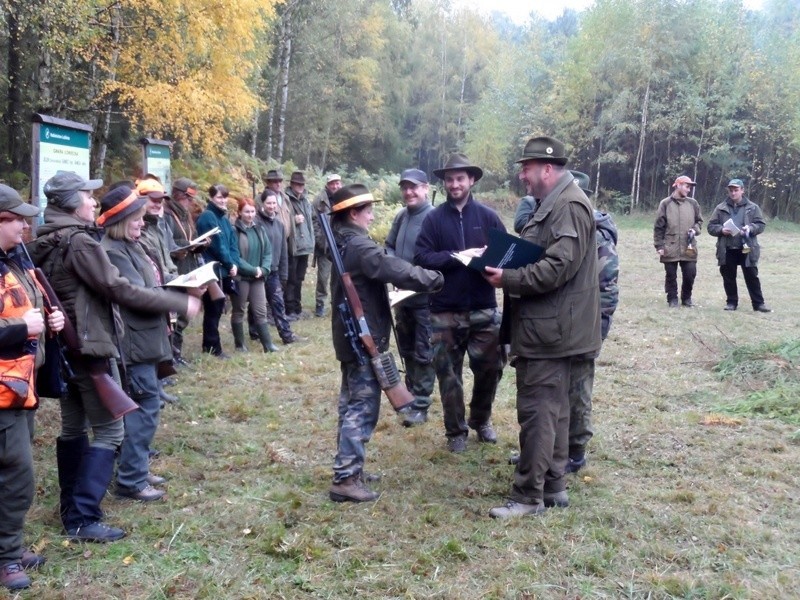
[
  {"x": 361, "y": 327},
  {"x": 90, "y": 287}
]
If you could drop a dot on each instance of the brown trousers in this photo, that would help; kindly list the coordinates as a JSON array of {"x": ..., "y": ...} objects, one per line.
[{"x": 543, "y": 416}]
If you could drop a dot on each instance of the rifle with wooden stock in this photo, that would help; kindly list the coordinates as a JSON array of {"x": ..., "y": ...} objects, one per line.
[
  {"x": 357, "y": 332},
  {"x": 113, "y": 397}
]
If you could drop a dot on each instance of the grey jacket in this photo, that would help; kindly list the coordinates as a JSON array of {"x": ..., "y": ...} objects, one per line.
[{"x": 402, "y": 240}]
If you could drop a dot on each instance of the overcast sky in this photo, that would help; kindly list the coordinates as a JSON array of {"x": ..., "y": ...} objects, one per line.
[{"x": 519, "y": 10}]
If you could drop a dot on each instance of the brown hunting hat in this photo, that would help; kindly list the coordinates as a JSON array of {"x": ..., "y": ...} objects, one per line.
[
  {"x": 185, "y": 185},
  {"x": 459, "y": 162},
  {"x": 274, "y": 175},
  {"x": 544, "y": 149},
  {"x": 298, "y": 177}
]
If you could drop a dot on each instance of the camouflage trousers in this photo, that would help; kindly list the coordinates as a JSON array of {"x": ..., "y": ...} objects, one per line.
[
  {"x": 359, "y": 407},
  {"x": 476, "y": 334},
  {"x": 414, "y": 345},
  {"x": 581, "y": 381}
]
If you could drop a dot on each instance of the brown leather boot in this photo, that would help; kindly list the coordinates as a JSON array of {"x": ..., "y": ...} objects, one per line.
[{"x": 352, "y": 489}]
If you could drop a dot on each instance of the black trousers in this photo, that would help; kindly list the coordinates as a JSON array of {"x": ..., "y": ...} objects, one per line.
[
  {"x": 298, "y": 265},
  {"x": 735, "y": 258},
  {"x": 688, "y": 273},
  {"x": 212, "y": 313}
]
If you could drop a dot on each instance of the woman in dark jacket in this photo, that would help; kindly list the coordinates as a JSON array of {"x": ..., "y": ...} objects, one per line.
[
  {"x": 225, "y": 250},
  {"x": 370, "y": 269},
  {"x": 255, "y": 262},
  {"x": 143, "y": 343},
  {"x": 89, "y": 287}
]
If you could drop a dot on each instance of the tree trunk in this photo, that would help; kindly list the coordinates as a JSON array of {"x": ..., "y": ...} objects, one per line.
[
  {"x": 637, "y": 169},
  {"x": 283, "y": 76},
  {"x": 13, "y": 117},
  {"x": 104, "y": 124}
]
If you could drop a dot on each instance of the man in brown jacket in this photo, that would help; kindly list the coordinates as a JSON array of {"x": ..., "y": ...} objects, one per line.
[
  {"x": 678, "y": 221},
  {"x": 555, "y": 317}
]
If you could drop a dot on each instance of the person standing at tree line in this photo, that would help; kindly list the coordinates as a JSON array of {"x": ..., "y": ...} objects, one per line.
[
  {"x": 224, "y": 249},
  {"x": 279, "y": 270},
  {"x": 413, "y": 316},
  {"x": 678, "y": 221},
  {"x": 255, "y": 264},
  {"x": 464, "y": 315},
  {"x": 301, "y": 245},
  {"x": 738, "y": 245},
  {"x": 322, "y": 203}
]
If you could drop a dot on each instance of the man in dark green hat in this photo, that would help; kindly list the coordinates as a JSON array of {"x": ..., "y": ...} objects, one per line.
[
  {"x": 464, "y": 316},
  {"x": 555, "y": 317}
]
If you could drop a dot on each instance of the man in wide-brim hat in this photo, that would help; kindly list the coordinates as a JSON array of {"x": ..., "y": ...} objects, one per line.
[
  {"x": 464, "y": 316},
  {"x": 370, "y": 269},
  {"x": 554, "y": 316}
]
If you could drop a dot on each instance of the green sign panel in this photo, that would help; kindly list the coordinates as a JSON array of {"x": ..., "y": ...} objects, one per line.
[{"x": 61, "y": 136}]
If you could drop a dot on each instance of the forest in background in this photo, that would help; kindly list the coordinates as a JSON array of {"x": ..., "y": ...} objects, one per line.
[{"x": 641, "y": 90}]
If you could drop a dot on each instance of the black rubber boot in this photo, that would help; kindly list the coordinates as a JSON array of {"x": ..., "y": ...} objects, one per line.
[
  {"x": 69, "y": 454},
  {"x": 238, "y": 336},
  {"x": 84, "y": 517},
  {"x": 266, "y": 338}
]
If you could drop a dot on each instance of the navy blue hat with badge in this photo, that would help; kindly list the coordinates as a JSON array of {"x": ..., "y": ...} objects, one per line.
[{"x": 544, "y": 149}]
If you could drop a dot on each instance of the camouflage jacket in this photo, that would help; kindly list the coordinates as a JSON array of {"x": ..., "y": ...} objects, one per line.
[{"x": 607, "y": 268}]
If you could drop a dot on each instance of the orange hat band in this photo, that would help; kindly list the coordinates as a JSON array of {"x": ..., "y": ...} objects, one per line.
[
  {"x": 344, "y": 204},
  {"x": 117, "y": 209}
]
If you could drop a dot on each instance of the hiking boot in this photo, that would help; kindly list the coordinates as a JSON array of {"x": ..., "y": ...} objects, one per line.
[
  {"x": 486, "y": 433},
  {"x": 457, "y": 443},
  {"x": 155, "y": 479},
  {"x": 730, "y": 306},
  {"x": 687, "y": 303},
  {"x": 319, "y": 311},
  {"x": 517, "y": 509},
  {"x": 412, "y": 417},
  {"x": 513, "y": 459},
  {"x": 13, "y": 577},
  {"x": 352, "y": 489},
  {"x": 147, "y": 494},
  {"x": 291, "y": 339},
  {"x": 762, "y": 308},
  {"x": 575, "y": 464},
  {"x": 557, "y": 499},
  {"x": 673, "y": 303},
  {"x": 31, "y": 560},
  {"x": 96, "y": 532}
]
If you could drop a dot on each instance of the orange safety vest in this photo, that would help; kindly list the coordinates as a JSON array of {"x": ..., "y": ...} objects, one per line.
[{"x": 17, "y": 389}]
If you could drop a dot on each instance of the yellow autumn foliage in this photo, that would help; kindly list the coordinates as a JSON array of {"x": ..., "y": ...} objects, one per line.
[{"x": 183, "y": 66}]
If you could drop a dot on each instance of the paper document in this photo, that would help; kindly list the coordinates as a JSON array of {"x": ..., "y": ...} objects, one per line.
[
  {"x": 197, "y": 278},
  {"x": 398, "y": 296},
  {"x": 731, "y": 226}
]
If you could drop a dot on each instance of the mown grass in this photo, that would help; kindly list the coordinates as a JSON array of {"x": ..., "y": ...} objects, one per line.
[{"x": 680, "y": 499}]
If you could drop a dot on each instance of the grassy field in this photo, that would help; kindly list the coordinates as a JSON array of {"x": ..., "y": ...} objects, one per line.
[{"x": 680, "y": 498}]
